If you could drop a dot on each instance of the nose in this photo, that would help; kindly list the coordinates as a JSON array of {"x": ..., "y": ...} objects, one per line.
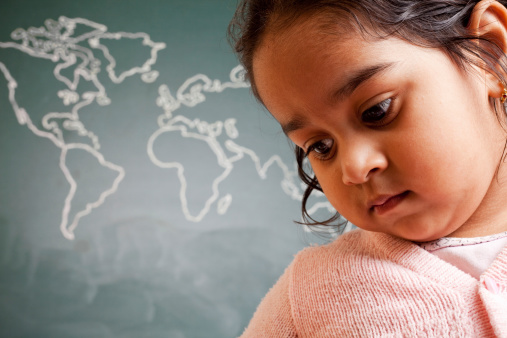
[{"x": 360, "y": 161}]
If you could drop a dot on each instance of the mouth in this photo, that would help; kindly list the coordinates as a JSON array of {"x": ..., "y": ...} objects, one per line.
[{"x": 385, "y": 203}]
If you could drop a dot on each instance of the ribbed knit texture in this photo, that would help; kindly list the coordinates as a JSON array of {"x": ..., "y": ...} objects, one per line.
[{"x": 368, "y": 284}]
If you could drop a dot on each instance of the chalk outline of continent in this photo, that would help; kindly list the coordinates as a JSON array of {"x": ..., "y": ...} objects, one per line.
[
  {"x": 191, "y": 93},
  {"x": 55, "y": 42}
]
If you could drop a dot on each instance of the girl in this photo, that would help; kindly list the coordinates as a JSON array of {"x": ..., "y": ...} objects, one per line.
[{"x": 397, "y": 105}]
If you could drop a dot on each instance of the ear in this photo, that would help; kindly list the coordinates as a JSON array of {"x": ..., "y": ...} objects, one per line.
[{"x": 489, "y": 20}]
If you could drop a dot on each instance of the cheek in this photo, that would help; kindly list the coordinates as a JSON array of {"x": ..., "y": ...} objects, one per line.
[
  {"x": 433, "y": 145},
  {"x": 329, "y": 179},
  {"x": 429, "y": 164},
  {"x": 342, "y": 197},
  {"x": 446, "y": 163}
]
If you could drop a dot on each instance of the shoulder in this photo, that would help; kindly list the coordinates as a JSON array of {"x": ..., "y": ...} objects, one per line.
[
  {"x": 317, "y": 272},
  {"x": 351, "y": 245}
]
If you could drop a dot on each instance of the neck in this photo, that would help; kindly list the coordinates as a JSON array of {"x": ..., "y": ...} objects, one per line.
[{"x": 491, "y": 216}]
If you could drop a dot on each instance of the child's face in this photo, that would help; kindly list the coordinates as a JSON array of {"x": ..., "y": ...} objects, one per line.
[{"x": 401, "y": 140}]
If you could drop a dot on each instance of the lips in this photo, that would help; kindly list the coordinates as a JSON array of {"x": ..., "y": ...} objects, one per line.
[{"x": 384, "y": 203}]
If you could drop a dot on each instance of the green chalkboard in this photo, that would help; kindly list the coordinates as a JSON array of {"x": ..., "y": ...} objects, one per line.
[{"x": 143, "y": 191}]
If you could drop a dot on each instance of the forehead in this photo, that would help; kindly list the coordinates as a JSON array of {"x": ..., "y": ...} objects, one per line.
[
  {"x": 307, "y": 55},
  {"x": 307, "y": 31}
]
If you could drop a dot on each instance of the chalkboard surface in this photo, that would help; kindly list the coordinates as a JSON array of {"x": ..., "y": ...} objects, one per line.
[{"x": 143, "y": 191}]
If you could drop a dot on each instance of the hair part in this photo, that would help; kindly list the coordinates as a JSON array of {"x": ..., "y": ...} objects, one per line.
[{"x": 430, "y": 24}]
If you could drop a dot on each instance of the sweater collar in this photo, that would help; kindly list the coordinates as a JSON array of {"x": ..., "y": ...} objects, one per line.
[{"x": 410, "y": 256}]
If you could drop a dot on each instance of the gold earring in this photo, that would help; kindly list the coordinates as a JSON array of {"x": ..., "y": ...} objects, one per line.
[{"x": 503, "y": 98}]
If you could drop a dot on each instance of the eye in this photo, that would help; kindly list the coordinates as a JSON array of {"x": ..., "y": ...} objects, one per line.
[
  {"x": 379, "y": 114},
  {"x": 321, "y": 149}
]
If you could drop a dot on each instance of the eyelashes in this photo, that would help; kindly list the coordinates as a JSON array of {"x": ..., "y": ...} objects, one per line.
[
  {"x": 321, "y": 149},
  {"x": 377, "y": 116}
]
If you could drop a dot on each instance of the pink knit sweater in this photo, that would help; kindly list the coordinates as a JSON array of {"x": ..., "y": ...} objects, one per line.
[{"x": 368, "y": 284}]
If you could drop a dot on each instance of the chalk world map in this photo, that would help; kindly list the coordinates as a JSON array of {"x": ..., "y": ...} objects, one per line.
[{"x": 78, "y": 53}]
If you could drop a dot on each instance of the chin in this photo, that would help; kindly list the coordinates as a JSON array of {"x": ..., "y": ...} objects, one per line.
[
  {"x": 422, "y": 235},
  {"x": 426, "y": 236}
]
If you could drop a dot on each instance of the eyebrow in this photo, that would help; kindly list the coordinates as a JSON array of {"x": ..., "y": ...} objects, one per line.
[
  {"x": 294, "y": 124},
  {"x": 351, "y": 84},
  {"x": 360, "y": 76}
]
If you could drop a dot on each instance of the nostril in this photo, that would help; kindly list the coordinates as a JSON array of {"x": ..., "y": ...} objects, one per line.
[{"x": 372, "y": 172}]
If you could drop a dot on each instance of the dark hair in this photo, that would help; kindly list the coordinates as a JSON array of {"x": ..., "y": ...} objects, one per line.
[{"x": 427, "y": 23}]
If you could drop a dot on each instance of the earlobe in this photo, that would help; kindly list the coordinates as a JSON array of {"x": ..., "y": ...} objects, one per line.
[
  {"x": 503, "y": 97},
  {"x": 489, "y": 21}
]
